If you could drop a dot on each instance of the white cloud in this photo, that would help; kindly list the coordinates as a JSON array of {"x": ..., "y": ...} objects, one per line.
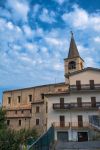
[
  {"x": 28, "y": 31},
  {"x": 10, "y": 25},
  {"x": 39, "y": 32},
  {"x": 81, "y": 19},
  {"x": 44, "y": 49},
  {"x": 97, "y": 39},
  {"x": 58, "y": 66},
  {"x": 32, "y": 47},
  {"x": 95, "y": 21},
  {"x": 89, "y": 61},
  {"x": 47, "y": 16},
  {"x": 53, "y": 41},
  {"x": 83, "y": 50},
  {"x": 16, "y": 47},
  {"x": 19, "y": 9},
  {"x": 29, "y": 46},
  {"x": 78, "y": 17},
  {"x": 36, "y": 9},
  {"x": 60, "y": 2}
]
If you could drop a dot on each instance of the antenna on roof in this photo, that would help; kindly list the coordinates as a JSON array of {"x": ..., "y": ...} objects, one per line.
[{"x": 55, "y": 80}]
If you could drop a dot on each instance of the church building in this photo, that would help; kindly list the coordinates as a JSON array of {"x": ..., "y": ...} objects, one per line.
[{"x": 72, "y": 107}]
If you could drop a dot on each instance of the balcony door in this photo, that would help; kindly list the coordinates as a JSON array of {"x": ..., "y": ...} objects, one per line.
[
  {"x": 91, "y": 84},
  {"x": 61, "y": 102},
  {"x": 79, "y": 102},
  {"x": 93, "y": 101},
  {"x": 78, "y": 85},
  {"x": 80, "y": 121},
  {"x": 62, "y": 121}
]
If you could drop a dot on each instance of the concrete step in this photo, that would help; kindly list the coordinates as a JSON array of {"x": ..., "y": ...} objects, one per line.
[{"x": 88, "y": 145}]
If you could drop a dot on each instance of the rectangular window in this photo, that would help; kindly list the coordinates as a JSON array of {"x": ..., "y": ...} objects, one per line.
[
  {"x": 78, "y": 85},
  {"x": 19, "y": 98},
  {"x": 37, "y": 121},
  {"x": 8, "y": 122},
  {"x": 79, "y": 101},
  {"x": 62, "y": 121},
  {"x": 93, "y": 101},
  {"x": 80, "y": 121},
  {"x": 37, "y": 109},
  {"x": 19, "y": 122},
  {"x": 22, "y": 111},
  {"x": 91, "y": 84},
  {"x": 61, "y": 102},
  {"x": 30, "y": 111},
  {"x": 42, "y": 96},
  {"x": 30, "y": 98},
  {"x": 9, "y": 100}
]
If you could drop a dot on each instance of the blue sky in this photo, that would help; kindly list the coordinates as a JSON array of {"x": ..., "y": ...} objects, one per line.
[{"x": 35, "y": 36}]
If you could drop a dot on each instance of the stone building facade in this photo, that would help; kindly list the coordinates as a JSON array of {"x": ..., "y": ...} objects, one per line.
[{"x": 26, "y": 108}]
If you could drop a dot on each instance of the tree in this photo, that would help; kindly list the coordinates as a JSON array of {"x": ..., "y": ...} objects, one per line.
[
  {"x": 10, "y": 139},
  {"x": 2, "y": 119}
]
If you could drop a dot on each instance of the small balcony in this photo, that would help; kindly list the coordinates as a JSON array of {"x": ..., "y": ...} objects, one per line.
[
  {"x": 18, "y": 116},
  {"x": 76, "y": 106},
  {"x": 73, "y": 125},
  {"x": 84, "y": 87}
]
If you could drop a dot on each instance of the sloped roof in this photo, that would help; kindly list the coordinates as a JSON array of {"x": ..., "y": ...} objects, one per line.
[
  {"x": 39, "y": 86},
  {"x": 83, "y": 70},
  {"x": 73, "y": 51}
]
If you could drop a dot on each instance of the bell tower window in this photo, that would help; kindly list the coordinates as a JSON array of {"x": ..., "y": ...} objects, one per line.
[{"x": 72, "y": 65}]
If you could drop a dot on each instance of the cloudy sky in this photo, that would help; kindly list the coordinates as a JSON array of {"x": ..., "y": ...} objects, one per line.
[{"x": 35, "y": 36}]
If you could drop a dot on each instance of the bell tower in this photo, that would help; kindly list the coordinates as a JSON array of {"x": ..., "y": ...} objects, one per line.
[{"x": 73, "y": 62}]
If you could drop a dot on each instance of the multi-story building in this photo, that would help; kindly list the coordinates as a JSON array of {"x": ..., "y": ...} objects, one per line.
[
  {"x": 68, "y": 106},
  {"x": 71, "y": 111},
  {"x": 26, "y": 108}
]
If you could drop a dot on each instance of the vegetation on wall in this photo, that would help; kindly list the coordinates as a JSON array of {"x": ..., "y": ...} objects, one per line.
[{"x": 10, "y": 139}]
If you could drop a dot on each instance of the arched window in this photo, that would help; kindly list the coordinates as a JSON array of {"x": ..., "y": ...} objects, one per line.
[{"x": 72, "y": 65}]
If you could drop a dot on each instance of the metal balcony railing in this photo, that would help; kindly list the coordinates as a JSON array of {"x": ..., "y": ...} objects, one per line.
[
  {"x": 95, "y": 122},
  {"x": 71, "y": 124},
  {"x": 85, "y": 87},
  {"x": 85, "y": 105}
]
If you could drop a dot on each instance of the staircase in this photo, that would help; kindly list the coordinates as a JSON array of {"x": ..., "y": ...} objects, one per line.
[
  {"x": 95, "y": 122},
  {"x": 44, "y": 142},
  {"x": 87, "y": 145}
]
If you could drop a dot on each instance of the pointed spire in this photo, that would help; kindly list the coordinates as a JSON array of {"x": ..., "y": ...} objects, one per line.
[{"x": 73, "y": 51}]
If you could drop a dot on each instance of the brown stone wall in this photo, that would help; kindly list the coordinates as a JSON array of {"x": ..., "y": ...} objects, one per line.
[
  {"x": 26, "y": 106},
  {"x": 14, "y": 123}
]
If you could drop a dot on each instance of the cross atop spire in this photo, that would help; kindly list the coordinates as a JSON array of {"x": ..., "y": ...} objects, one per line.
[
  {"x": 73, "y": 51},
  {"x": 71, "y": 33}
]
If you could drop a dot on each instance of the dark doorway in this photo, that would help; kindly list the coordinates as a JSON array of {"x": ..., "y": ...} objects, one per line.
[
  {"x": 82, "y": 136},
  {"x": 93, "y": 101},
  {"x": 62, "y": 136},
  {"x": 62, "y": 121}
]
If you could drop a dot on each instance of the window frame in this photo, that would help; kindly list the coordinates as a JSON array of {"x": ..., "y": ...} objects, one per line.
[{"x": 37, "y": 122}]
